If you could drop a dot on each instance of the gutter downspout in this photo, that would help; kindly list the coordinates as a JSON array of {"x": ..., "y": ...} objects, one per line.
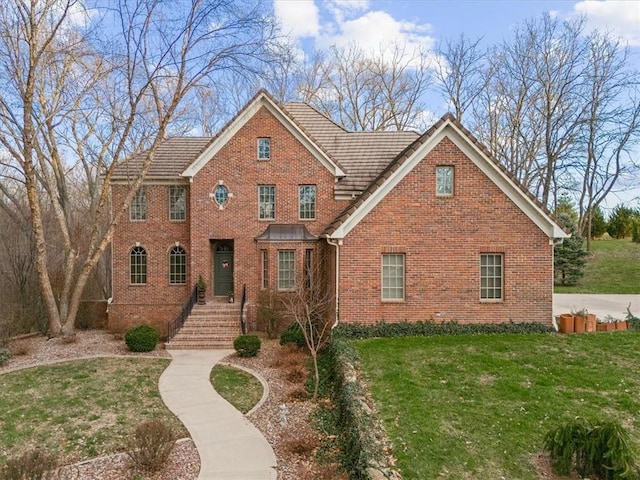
[{"x": 336, "y": 243}]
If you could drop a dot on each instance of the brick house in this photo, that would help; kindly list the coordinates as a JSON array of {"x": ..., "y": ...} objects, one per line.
[{"x": 407, "y": 226}]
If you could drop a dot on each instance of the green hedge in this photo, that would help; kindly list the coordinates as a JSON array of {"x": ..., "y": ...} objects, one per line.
[{"x": 431, "y": 328}]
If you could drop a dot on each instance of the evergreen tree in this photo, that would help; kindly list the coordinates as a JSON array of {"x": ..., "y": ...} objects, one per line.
[{"x": 570, "y": 256}]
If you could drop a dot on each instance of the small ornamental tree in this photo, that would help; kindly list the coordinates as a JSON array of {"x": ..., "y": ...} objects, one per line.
[
  {"x": 569, "y": 256},
  {"x": 310, "y": 305}
]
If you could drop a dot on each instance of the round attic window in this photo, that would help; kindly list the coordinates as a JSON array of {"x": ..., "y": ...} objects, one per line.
[{"x": 221, "y": 195}]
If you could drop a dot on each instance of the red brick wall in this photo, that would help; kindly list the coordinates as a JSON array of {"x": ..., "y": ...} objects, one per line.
[
  {"x": 157, "y": 302},
  {"x": 442, "y": 238},
  {"x": 237, "y": 166}
]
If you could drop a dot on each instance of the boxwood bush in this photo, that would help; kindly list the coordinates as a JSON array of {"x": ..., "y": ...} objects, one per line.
[
  {"x": 247, "y": 345},
  {"x": 142, "y": 338},
  {"x": 293, "y": 334}
]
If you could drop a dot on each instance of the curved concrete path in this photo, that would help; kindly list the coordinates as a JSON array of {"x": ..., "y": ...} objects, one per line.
[{"x": 230, "y": 447}]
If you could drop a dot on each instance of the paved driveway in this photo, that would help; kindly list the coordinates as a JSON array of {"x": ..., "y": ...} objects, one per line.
[{"x": 601, "y": 305}]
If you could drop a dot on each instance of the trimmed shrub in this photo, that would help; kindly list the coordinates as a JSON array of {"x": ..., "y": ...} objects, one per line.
[
  {"x": 151, "y": 444},
  {"x": 31, "y": 465},
  {"x": 5, "y": 355},
  {"x": 293, "y": 334},
  {"x": 142, "y": 338},
  {"x": 247, "y": 345},
  {"x": 597, "y": 449}
]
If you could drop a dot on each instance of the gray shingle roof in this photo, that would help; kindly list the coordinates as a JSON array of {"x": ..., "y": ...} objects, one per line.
[{"x": 172, "y": 156}]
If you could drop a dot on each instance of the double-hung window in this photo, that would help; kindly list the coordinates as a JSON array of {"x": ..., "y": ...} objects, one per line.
[
  {"x": 177, "y": 203},
  {"x": 264, "y": 148},
  {"x": 491, "y": 277},
  {"x": 138, "y": 265},
  {"x": 267, "y": 202},
  {"x": 177, "y": 266},
  {"x": 307, "y": 202},
  {"x": 138, "y": 207},
  {"x": 265, "y": 269},
  {"x": 393, "y": 276},
  {"x": 444, "y": 181},
  {"x": 286, "y": 269}
]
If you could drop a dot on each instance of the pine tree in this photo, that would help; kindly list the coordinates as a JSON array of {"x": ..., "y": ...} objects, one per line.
[{"x": 570, "y": 256}]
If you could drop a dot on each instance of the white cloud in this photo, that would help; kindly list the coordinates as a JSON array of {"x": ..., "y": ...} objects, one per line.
[
  {"x": 299, "y": 18},
  {"x": 618, "y": 17}
]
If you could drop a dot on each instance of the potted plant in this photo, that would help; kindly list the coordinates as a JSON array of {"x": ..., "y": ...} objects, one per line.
[
  {"x": 590, "y": 325},
  {"x": 202, "y": 290},
  {"x": 607, "y": 324},
  {"x": 579, "y": 320},
  {"x": 565, "y": 323}
]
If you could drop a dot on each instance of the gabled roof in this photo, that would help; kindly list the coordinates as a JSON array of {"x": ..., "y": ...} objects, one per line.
[
  {"x": 396, "y": 170},
  {"x": 363, "y": 154},
  {"x": 260, "y": 100},
  {"x": 172, "y": 156}
]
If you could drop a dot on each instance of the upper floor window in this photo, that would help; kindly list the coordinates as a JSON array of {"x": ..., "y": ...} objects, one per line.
[
  {"x": 286, "y": 269},
  {"x": 138, "y": 265},
  {"x": 444, "y": 181},
  {"x": 491, "y": 276},
  {"x": 138, "y": 207},
  {"x": 307, "y": 202},
  {"x": 267, "y": 202},
  {"x": 177, "y": 266},
  {"x": 221, "y": 195},
  {"x": 177, "y": 203},
  {"x": 393, "y": 276},
  {"x": 264, "y": 148}
]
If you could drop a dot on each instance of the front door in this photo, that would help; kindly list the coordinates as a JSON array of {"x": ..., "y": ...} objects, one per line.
[{"x": 223, "y": 269}]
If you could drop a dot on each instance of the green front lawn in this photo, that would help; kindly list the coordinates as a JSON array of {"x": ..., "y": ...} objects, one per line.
[
  {"x": 478, "y": 406},
  {"x": 239, "y": 388},
  {"x": 613, "y": 266},
  {"x": 80, "y": 409}
]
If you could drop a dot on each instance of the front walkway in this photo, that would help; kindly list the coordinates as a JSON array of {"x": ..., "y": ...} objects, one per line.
[
  {"x": 230, "y": 447},
  {"x": 600, "y": 305}
]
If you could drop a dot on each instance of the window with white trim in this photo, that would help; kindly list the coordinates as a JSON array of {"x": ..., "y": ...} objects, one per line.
[
  {"x": 138, "y": 207},
  {"x": 444, "y": 181},
  {"x": 307, "y": 202},
  {"x": 177, "y": 203},
  {"x": 265, "y": 269},
  {"x": 267, "y": 202},
  {"x": 138, "y": 265},
  {"x": 264, "y": 148},
  {"x": 286, "y": 269},
  {"x": 308, "y": 268},
  {"x": 177, "y": 266},
  {"x": 393, "y": 276},
  {"x": 491, "y": 276}
]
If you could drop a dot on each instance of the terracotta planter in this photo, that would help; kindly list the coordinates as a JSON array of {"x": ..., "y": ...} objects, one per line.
[
  {"x": 610, "y": 326},
  {"x": 590, "y": 324},
  {"x": 565, "y": 323},
  {"x": 621, "y": 325},
  {"x": 601, "y": 327},
  {"x": 202, "y": 297},
  {"x": 579, "y": 324}
]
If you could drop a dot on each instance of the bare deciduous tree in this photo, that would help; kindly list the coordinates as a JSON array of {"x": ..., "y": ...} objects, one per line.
[
  {"x": 369, "y": 91},
  {"x": 83, "y": 91}
]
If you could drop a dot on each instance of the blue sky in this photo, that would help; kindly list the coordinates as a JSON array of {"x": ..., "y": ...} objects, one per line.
[{"x": 320, "y": 23}]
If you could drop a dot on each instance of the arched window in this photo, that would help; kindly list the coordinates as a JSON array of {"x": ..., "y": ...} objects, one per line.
[
  {"x": 138, "y": 265},
  {"x": 177, "y": 266}
]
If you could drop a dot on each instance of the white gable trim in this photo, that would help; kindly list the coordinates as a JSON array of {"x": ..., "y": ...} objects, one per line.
[
  {"x": 260, "y": 101},
  {"x": 478, "y": 157}
]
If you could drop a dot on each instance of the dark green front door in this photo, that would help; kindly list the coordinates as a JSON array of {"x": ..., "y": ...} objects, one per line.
[{"x": 223, "y": 271}]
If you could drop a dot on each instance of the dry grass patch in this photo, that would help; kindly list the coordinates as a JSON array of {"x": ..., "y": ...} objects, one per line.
[{"x": 80, "y": 409}]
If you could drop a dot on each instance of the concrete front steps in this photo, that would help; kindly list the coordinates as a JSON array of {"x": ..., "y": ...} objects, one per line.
[{"x": 212, "y": 326}]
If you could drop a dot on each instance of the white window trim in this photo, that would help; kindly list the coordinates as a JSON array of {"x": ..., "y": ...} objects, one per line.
[
  {"x": 453, "y": 180},
  {"x": 271, "y": 219},
  {"x": 315, "y": 203},
  {"x": 184, "y": 189},
  {"x": 492, "y": 300},
  {"x": 293, "y": 287},
  {"x": 267, "y": 158},
  {"x": 404, "y": 278}
]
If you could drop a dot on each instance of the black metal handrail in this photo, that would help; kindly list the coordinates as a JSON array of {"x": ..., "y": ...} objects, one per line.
[
  {"x": 244, "y": 300},
  {"x": 176, "y": 324}
]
